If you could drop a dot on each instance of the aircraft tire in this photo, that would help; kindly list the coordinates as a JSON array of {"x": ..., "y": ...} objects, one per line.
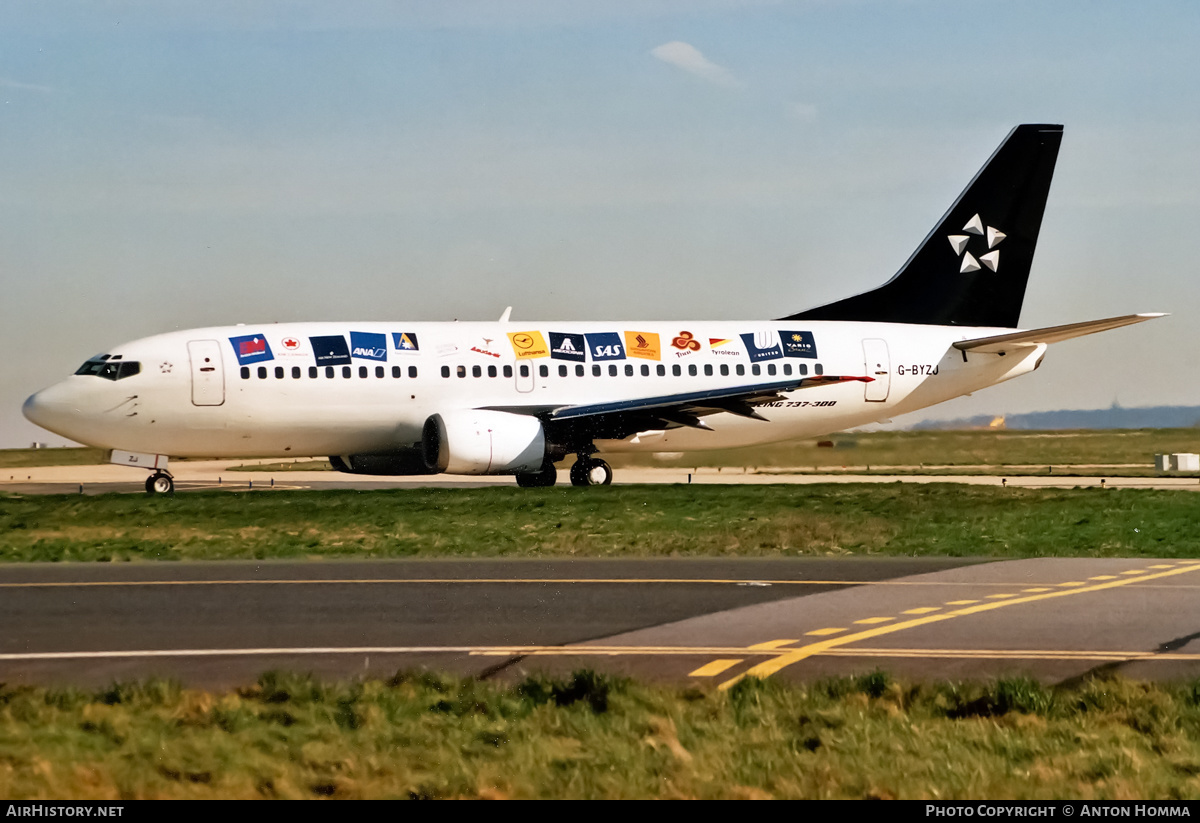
[
  {"x": 545, "y": 478},
  {"x": 589, "y": 471},
  {"x": 160, "y": 484}
]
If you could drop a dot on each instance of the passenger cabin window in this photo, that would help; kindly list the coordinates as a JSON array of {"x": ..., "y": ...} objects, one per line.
[
  {"x": 329, "y": 372},
  {"x": 579, "y": 370},
  {"x": 661, "y": 369},
  {"x": 802, "y": 368},
  {"x": 445, "y": 371},
  {"x": 708, "y": 369},
  {"x": 524, "y": 369},
  {"x": 379, "y": 371},
  {"x": 692, "y": 370},
  {"x": 771, "y": 369},
  {"x": 362, "y": 371},
  {"x": 756, "y": 369},
  {"x": 628, "y": 370},
  {"x": 677, "y": 370},
  {"x": 491, "y": 371},
  {"x": 396, "y": 371},
  {"x": 262, "y": 372},
  {"x": 787, "y": 368},
  {"x": 507, "y": 371},
  {"x": 724, "y": 369},
  {"x": 295, "y": 372},
  {"x": 741, "y": 370},
  {"x": 818, "y": 369},
  {"x": 645, "y": 370},
  {"x": 279, "y": 372},
  {"x": 562, "y": 371},
  {"x": 612, "y": 371},
  {"x": 312, "y": 372},
  {"x": 412, "y": 371},
  {"x": 462, "y": 371},
  {"x": 595, "y": 371},
  {"x": 245, "y": 372},
  {"x": 544, "y": 371},
  {"x": 477, "y": 371}
]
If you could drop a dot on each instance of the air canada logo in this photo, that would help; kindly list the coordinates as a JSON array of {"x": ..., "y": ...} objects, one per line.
[{"x": 959, "y": 242}]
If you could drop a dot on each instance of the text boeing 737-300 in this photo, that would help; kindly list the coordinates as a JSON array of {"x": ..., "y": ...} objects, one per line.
[{"x": 502, "y": 398}]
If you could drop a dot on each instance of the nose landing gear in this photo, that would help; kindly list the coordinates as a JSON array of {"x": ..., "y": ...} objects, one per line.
[{"x": 160, "y": 483}]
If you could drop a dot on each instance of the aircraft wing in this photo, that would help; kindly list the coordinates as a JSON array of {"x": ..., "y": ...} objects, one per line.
[
  {"x": 1001, "y": 343},
  {"x": 610, "y": 419}
]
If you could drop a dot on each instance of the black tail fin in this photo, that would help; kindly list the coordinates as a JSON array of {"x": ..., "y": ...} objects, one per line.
[{"x": 972, "y": 269}]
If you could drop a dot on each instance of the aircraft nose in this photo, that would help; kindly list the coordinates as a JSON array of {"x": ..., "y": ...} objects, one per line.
[{"x": 50, "y": 408}]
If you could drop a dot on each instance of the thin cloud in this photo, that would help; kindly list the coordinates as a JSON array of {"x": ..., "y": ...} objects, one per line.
[
  {"x": 14, "y": 84},
  {"x": 687, "y": 57}
]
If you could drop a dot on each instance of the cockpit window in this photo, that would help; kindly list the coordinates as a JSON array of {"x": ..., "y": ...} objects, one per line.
[{"x": 109, "y": 368}]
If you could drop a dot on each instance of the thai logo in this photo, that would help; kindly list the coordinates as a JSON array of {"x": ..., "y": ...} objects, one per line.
[
  {"x": 686, "y": 341},
  {"x": 959, "y": 242}
]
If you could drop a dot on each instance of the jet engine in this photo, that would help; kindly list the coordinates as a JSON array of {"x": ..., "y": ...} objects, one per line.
[
  {"x": 402, "y": 461},
  {"x": 483, "y": 442}
]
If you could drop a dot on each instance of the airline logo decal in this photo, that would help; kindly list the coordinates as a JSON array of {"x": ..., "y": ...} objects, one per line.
[
  {"x": 798, "y": 344},
  {"x": 567, "y": 347},
  {"x": 251, "y": 348},
  {"x": 723, "y": 346},
  {"x": 368, "y": 345},
  {"x": 290, "y": 343},
  {"x": 404, "y": 341},
  {"x": 762, "y": 345},
  {"x": 486, "y": 348},
  {"x": 642, "y": 344},
  {"x": 686, "y": 343},
  {"x": 331, "y": 350},
  {"x": 527, "y": 344},
  {"x": 605, "y": 345},
  {"x": 959, "y": 243}
]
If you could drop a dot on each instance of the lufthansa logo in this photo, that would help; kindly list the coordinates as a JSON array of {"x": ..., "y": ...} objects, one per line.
[{"x": 522, "y": 341}]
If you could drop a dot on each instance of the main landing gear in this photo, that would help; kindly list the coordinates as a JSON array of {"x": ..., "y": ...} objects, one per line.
[
  {"x": 543, "y": 478},
  {"x": 160, "y": 483},
  {"x": 591, "y": 471}
]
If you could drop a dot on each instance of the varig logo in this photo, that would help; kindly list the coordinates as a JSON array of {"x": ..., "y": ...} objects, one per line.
[{"x": 959, "y": 243}]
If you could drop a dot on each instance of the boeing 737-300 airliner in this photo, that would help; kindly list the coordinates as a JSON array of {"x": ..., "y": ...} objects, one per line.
[{"x": 407, "y": 398}]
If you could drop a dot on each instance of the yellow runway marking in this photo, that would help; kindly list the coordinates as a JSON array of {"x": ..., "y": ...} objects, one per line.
[
  {"x": 923, "y": 610},
  {"x": 771, "y": 644},
  {"x": 714, "y": 668},
  {"x": 875, "y": 620},
  {"x": 1036, "y": 590},
  {"x": 1134, "y": 571},
  {"x": 770, "y": 667},
  {"x": 1163, "y": 566},
  {"x": 1103, "y": 577},
  {"x": 823, "y": 632},
  {"x": 1074, "y": 583},
  {"x": 525, "y": 580},
  {"x": 1001, "y": 596},
  {"x": 961, "y": 602}
]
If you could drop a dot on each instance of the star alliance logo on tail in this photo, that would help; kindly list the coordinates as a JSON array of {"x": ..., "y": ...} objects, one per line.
[{"x": 959, "y": 243}]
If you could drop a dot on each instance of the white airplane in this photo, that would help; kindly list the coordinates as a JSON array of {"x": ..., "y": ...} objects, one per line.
[{"x": 515, "y": 398}]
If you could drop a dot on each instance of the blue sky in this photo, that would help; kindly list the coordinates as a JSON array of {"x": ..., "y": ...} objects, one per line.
[{"x": 165, "y": 165}]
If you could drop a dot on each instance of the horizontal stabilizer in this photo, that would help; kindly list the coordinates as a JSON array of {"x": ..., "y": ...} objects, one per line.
[{"x": 1001, "y": 343}]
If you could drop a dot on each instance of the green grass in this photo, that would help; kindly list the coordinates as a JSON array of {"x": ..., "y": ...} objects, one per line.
[
  {"x": 589, "y": 736},
  {"x": 24, "y": 458},
  {"x": 628, "y": 521}
]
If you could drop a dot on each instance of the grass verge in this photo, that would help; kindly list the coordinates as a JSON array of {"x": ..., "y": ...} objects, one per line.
[
  {"x": 432, "y": 736},
  {"x": 628, "y": 521}
]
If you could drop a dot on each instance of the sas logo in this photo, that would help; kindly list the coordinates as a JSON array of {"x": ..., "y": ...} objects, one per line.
[
  {"x": 567, "y": 347},
  {"x": 330, "y": 350},
  {"x": 251, "y": 348},
  {"x": 368, "y": 345},
  {"x": 798, "y": 344},
  {"x": 528, "y": 344},
  {"x": 405, "y": 341},
  {"x": 762, "y": 345},
  {"x": 643, "y": 344},
  {"x": 605, "y": 345},
  {"x": 959, "y": 242}
]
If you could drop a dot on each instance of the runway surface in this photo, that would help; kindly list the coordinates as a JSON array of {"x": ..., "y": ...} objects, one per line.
[
  {"x": 677, "y": 620},
  {"x": 208, "y": 475}
]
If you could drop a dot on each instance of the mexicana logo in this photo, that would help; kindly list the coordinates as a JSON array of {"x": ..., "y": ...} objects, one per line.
[
  {"x": 368, "y": 345},
  {"x": 251, "y": 348},
  {"x": 565, "y": 346}
]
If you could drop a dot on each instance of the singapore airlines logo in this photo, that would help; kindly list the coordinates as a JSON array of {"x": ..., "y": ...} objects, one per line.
[{"x": 959, "y": 242}]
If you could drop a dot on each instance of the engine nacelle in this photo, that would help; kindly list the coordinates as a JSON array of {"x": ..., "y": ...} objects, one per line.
[
  {"x": 402, "y": 461},
  {"x": 483, "y": 442}
]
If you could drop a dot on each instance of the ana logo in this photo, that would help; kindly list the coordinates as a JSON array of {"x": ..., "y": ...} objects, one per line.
[
  {"x": 959, "y": 243},
  {"x": 686, "y": 341},
  {"x": 291, "y": 343}
]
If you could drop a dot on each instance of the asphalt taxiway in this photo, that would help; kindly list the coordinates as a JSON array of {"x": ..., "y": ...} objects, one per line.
[{"x": 677, "y": 620}]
